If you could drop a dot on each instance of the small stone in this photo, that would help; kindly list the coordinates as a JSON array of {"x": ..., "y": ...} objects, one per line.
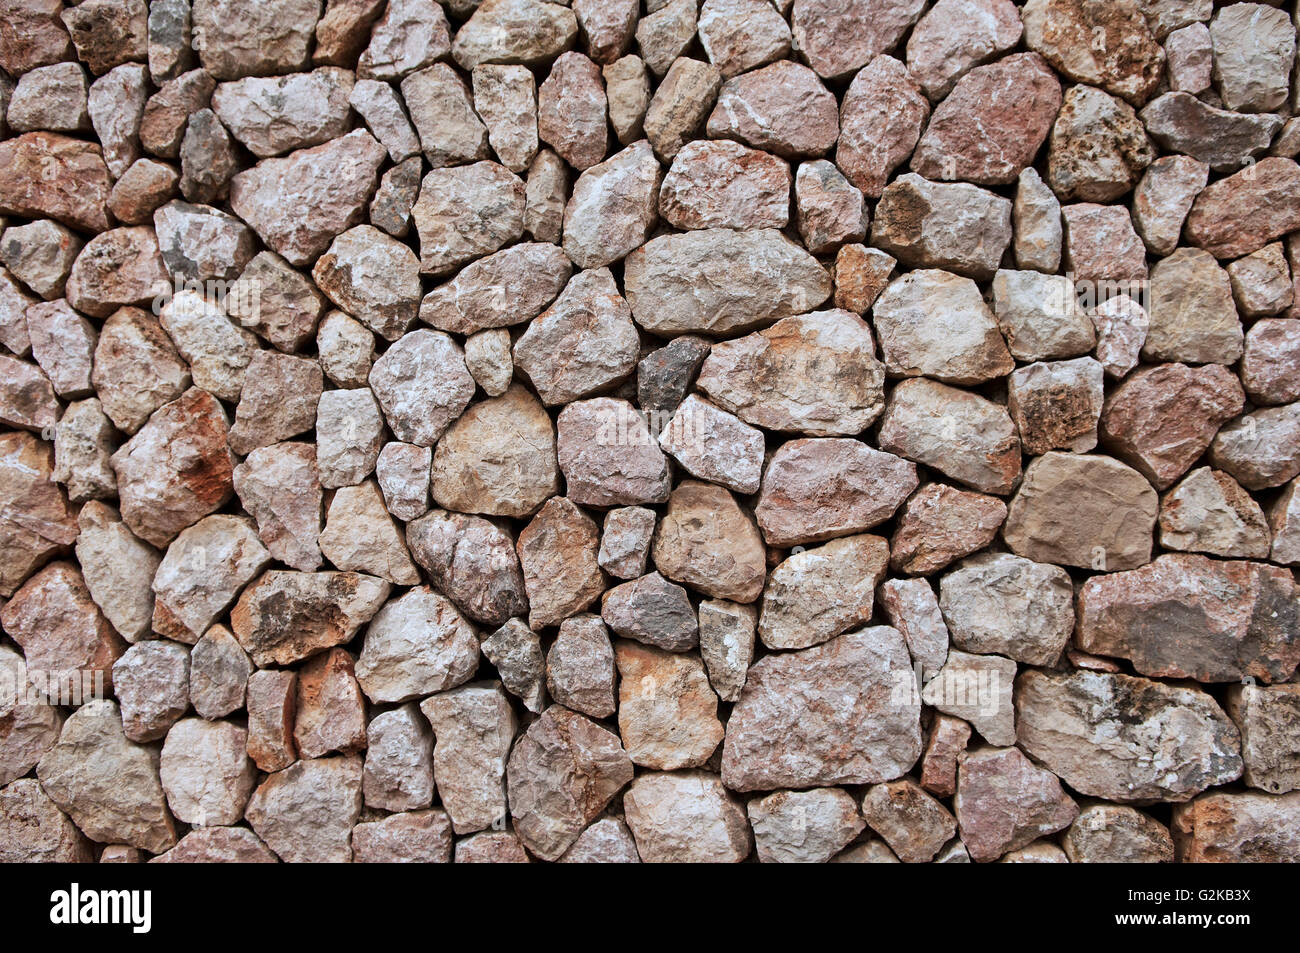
[
  {"x": 816, "y": 594},
  {"x": 217, "y": 350},
  {"x": 1237, "y": 828},
  {"x": 726, "y": 185},
  {"x": 286, "y": 309},
  {"x": 34, "y": 35},
  {"x": 782, "y": 108},
  {"x": 1111, "y": 833},
  {"x": 571, "y": 110},
  {"x": 824, "y": 715},
  {"x": 1270, "y": 365},
  {"x": 374, "y": 277},
  {"x": 936, "y": 324},
  {"x": 1261, "y": 282},
  {"x": 206, "y": 772},
  {"x": 279, "y": 400},
  {"x": 666, "y": 33},
  {"x": 830, "y": 209},
  {"x": 881, "y": 118},
  {"x": 1193, "y": 317},
  {"x": 416, "y": 645},
  {"x": 466, "y": 212},
  {"x": 584, "y": 343},
  {"x": 625, "y": 541},
  {"x": 118, "y": 267},
  {"x": 515, "y": 31},
  {"x": 1122, "y": 326},
  {"x": 167, "y": 112},
  {"x": 399, "y": 188},
  {"x": 275, "y": 114},
  {"x": 360, "y": 535},
  {"x": 714, "y": 445},
  {"x": 84, "y": 440},
  {"x": 120, "y": 854},
  {"x": 606, "y": 841},
  {"x": 1284, "y": 520},
  {"x": 208, "y": 159},
  {"x": 1056, "y": 405},
  {"x": 665, "y": 375},
  {"x": 284, "y": 617},
  {"x": 1189, "y": 56},
  {"x": 1061, "y": 716},
  {"x": 474, "y": 727},
  {"x": 422, "y": 385},
  {"x": 498, "y": 459},
  {"x": 873, "y": 852},
  {"x": 385, "y": 116},
  {"x": 653, "y": 611},
  {"x": 46, "y": 527},
  {"x": 32, "y": 828},
  {"x": 1209, "y": 512},
  {"x": 992, "y": 124},
  {"x": 1161, "y": 419},
  {"x": 1108, "y": 46},
  {"x": 489, "y": 361},
  {"x": 803, "y": 826},
  {"x": 505, "y": 97},
  {"x": 1036, "y": 217},
  {"x": 727, "y": 644},
  {"x": 912, "y": 822},
  {"x": 708, "y": 542},
  {"x": 490, "y": 848},
  {"x": 561, "y": 773},
  {"x": 510, "y": 287},
  {"x": 609, "y": 456},
  {"x": 219, "y": 672},
  {"x": 544, "y": 196},
  {"x": 223, "y": 845},
  {"x": 838, "y": 38},
  {"x": 202, "y": 572},
  {"x": 739, "y": 35},
  {"x": 151, "y": 682},
  {"x": 330, "y": 713},
  {"x": 108, "y": 32},
  {"x": 280, "y": 486},
  {"x": 1260, "y": 449},
  {"x": 1268, "y": 719},
  {"x": 265, "y": 40},
  {"x": 473, "y": 562},
  {"x": 999, "y": 604},
  {"x": 306, "y": 812},
  {"x": 107, "y": 785},
  {"x": 956, "y": 35},
  {"x": 580, "y": 667},
  {"x": 47, "y": 175},
  {"x": 1102, "y": 249},
  {"x": 940, "y": 524},
  {"x": 26, "y": 397},
  {"x": 403, "y": 473},
  {"x": 977, "y": 689},
  {"x": 606, "y": 27},
  {"x": 410, "y": 35},
  {"x": 686, "y": 817},
  {"x": 1244, "y": 212},
  {"x": 1254, "y": 50},
  {"x": 199, "y": 242},
  {"x": 418, "y": 837},
  {"x": 118, "y": 570},
  {"x": 63, "y": 344},
  {"x": 176, "y": 469},
  {"x": 627, "y": 90},
  {"x": 272, "y": 695},
  {"x": 344, "y": 29},
  {"x": 299, "y": 202},
  {"x": 450, "y": 131},
  {"x": 1005, "y": 802},
  {"x": 516, "y": 652},
  {"x": 948, "y": 739},
  {"x": 912, "y": 609},
  {"x": 956, "y": 226},
  {"x": 1219, "y": 138},
  {"x": 40, "y": 254},
  {"x": 50, "y": 97},
  {"x": 960, "y": 434},
  {"x": 1099, "y": 147}
]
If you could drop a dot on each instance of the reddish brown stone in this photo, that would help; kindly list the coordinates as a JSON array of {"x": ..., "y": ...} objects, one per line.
[
  {"x": 46, "y": 175},
  {"x": 1244, "y": 212}
]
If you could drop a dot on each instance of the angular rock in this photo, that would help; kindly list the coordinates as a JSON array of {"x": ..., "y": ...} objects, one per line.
[
  {"x": 824, "y": 715},
  {"x": 999, "y": 604},
  {"x": 26, "y": 396},
  {"x": 725, "y": 185},
  {"x": 202, "y": 572},
  {"x": 1102, "y": 249},
  {"x": 489, "y": 361},
  {"x": 466, "y": 212},
  {"x": 438, "y": 100},
  {"x": 418, "y": 837},
  {"x": 625, "y": 541},
  {"x": 1270, "y": 364},
  {"x": 714, "y": 445},
  {"x": 686, "y": 817},
  {"x": 1237, "y": 828},
  {"x": 1036, "y": 218},
  {"x": 740, "y": 35},
  {"x": 708, "y": 542},
  {"x": 199, "y": 242},
  {"x": 34, "y": 35},
  {"x": 473, "y": 562},
  {"x": 219, "y": 671},
  {"x": 208, "y": 159},
  {"x": 275, "y": 114},
  {"x": 803, "y": 826},
  {"x": 516, "y": 652},
  {"x": 912, "y": 609},
  {"x": 505, "y": 97},
  {"x": 344, "y": 29},
  {"x": 664, "y": 376},
  {"x": 280, "y": 399},
  {"x": 606, "y": 841},
  {"x": 653, "y": 611},
  {"x": 288, "y": 306},
  {"x": 47, "y": 175},
  {"x": 40, "y": 255},
  {"x": 1261, "y": 282},
  {"x": 206, "y": 772},
  {"x": 118, "y": 267},
  {"x": 306, "y": 812},
  {"x": 1254, "y": 50},
  {"x": 416, "y": 645},
  {"x": 33, "y": 829},
  {"x": 1209, "y": 512},
  {"x": 1162, "y": 742},
  {"x": 665, "y": 33},
  {"x": 360, "y": 535},
  {"x": 1111, "y": 833},
  {"x": 912, "y": 823},
  {"x": 816, "y": 594},
  {"x": 84, "y": 440},
  {"x": 948, "y": 739},
  {"x": 1099, "y": 147},
  {"x": 1225, "y": 140},
  {"x": 1056, "y": 405},
  {"x": 284, "y": 617},
  {"x": 1108, "y": 46},
  {"x": 976, "y": 689},
  {"x": 280, "y": 486},
  {"x": 272, "y": 695},
  {"x": 580, "y": 667},
  {"x": 403, "y": 473},
  {"x": 881, "y": 118},
  {"x": 167, "y": 112},
  {"x": 782, "y": 108},
  {"x": 571, "y": 111},
  {"x": 958, "y": 227},
  {"x": 509, "y": 287},
  {"x": 837, "y": 38},
  {"x": 386, "y": 118},
  {"x": 727, "y": 644},
  {"x": 1244, "y": 212},
  {"x": 956, "y": 35},
  {"x": 35, "y": 522},
  {"x": 1122, "y": 326},
  {"x": 221, "y": 845},
  {"x": 411, "y": 34},
  {"x": 1268, "y": 719},
  {"x": 1193, "y": 317},
  {"x": 1261, "y": 449},
  {"x": 514, "y": 31},
  {"x": 1005, "y": 802},
  {"x": 474, "y": 727},
  {"x": 544, "y": 196},
  {"x": 330, "y": 712},
  {"x": 29, "y": 725}
]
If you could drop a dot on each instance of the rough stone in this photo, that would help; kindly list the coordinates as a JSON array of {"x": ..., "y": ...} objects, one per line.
[
  {"x": 1005, "y": 802},
  {"x": 881, "y": 119},
  {"x": 1099, "y": 147},
  {"x": 999, "y": 604},
  {"x": 912, "y": 823},
  {"x": 816, "y": 594},
  {"x": 708, "y": 542},
  {"x": 686, "y": 817},
  {"x": 1209, "y": 512},
  {"x": 782, "y": 108},
  {"x": 306, "y": 812},
  {"x": 580, "y": 667},
  {"x": 473, "y": 562}
]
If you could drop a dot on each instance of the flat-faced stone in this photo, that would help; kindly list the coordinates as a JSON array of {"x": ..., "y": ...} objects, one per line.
[
  {"x": 411, "y": 34},
  {"x": 373, "y": 277},
  {"x": 40, "y": 255},
  {"x": 714, "y": 445},
  {"x": 816, "y": 594},
  {"x": 270, "y": 700},
  {"x": 1112, "y": 833},
  {"x": 913, "y": 823},
  {"x": 1254, "y": 50},
  {"x": 782, "y": 108},
  {"x": 627, "y": 91},
  {"x": 608, "y": 455},
  {"x": 1180, "y": 122},
  {"x": 1209, "y": 512},
  {"x": 509, "y": 287},
  {"x": 1102, "y": 248},
  {"x": 625, "y": 541},
  {"x": 515, "y": 31},
  {"x": 1237, "y": 828},
  {"x": 1056, "y": 404},
  {"x": 977, "y": 689},
  {"x": 474, "y": 727},
  {"x": 34, "y": 829},
  {"x": 1261, "y": 282},
  {"x": 947, "y": 741},
  {"x": 466, "y": 212},
  {"x": 824, "y": 715},
  {"x": 1000, "y": 604},
  {"x": 1086, "y": 511},
  {"x": 667, "y": 710},
  {"x": 118, "y": 267},
  {"x": 881, "y": 118},
  {"x": 422, "y": 385},
  {"x": 1005, "y": 802},
  {"x": 269, "y": 39},
  {"x": 217, "y": 845},
  {"x": 1193, "y": 317},
  {"x": 956, "y": 35},
  {"x": 1270, "y": 364},
  {"x": 1261, "y": 449},
  {"x": 272, "y": 115},
  {"x": 416, "y": 645},
  {"x": 955, "y": 226},
  {"x": 118, "y": 569},
  {"x": 403, "y": 474},
  {"x": 219, "y": 671},
  {"x": 724, "y": 184},
  {"x": 471, "y": 560},
  {"x": 288, "y": 305},
  {"x": 580, "y": 667},
  {"x": 516, "y": 651},
  {"x": 489, "y": 361},
  {"x": 330, "y": 711},
  {"x": 84, "y": 439},
  {"x": 911, "y": 608},
  {"x": 1122, "y": 326},
  {"x": 740, "y": 35},
  {"x": 280, "y": 487},
  {"x": 839, "y": 36},
  {"x": 1036, "y": 219},
  {"x": 806, "y": 827},
  {"x": 653, "y": 611},
  {"x": 1244, "y": 212},
  {"x": 48, "y": 175},
  {"x": 557, "y": 552},
  {"x": 206, "y": 772},
  {"x": 1268, "y": 719},
  {"x": 306, "y": 812},
  {"x": 280, "y": 399},
  {"x": 708, "y": 542},
  {"x": 202, "y": 572}
]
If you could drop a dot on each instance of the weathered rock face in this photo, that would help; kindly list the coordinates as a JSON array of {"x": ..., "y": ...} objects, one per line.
[
  {"x": 914, "y": 824},
  {"x": 1244, "y": 212},
  {"x": 686, "y": 817},
  {"x": 667, "y": 714},
  {"x": 957, "y": 226},
  {"x": 305, "y": 813},
  {"x": 1005, "y": 802},
  {"x": 819, "y": 593},
  {"x": 724, "y": 184},
  {"x": 416, "y": 645},
  {"x": 474, "y": 726},
  {"x": 1268, "y": 722},
  {"x": 561, "y": 773},
  {"x": 1237, "y": 828},
  {"x": 797, "y": 709},
  {"x": 1188, "y": 616},
  {"x": 708, "y": 542},
  {"x": 1109, "y": 834},
  {"x": 1163, "y": 743},
  {"x": 1108, "y": 46},
  {"x": 999, "y": 604},
  {"x": 881, "y": 118}
]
